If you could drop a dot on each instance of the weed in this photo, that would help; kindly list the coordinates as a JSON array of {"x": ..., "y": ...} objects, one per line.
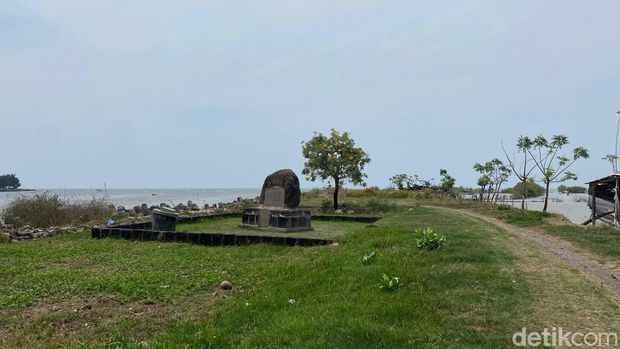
[{"x": 428, "y": 238}]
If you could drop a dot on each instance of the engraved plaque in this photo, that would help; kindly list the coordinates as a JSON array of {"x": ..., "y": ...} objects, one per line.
[{"x": 274, "y": 197}]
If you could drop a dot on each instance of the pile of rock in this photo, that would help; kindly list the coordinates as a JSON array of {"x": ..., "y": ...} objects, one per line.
[{"x": 28, "y": 233}]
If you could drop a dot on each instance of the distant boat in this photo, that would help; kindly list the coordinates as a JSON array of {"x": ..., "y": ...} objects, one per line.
[
  {"x": 99, "y": 189},
  {"x": 154, "y": 194}
]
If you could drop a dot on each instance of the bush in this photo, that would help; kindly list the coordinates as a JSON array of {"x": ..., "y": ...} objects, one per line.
[
  {"x": 375, "y": 205},
  {"x": 396, "y": 194},
  {"x": 46, "y": 210},
  {"x": 428, "y": 238},
  {"x": 364, "y": 193},
  {"x": 503, "y": 207},
  {"x": 326, "y": 205}
]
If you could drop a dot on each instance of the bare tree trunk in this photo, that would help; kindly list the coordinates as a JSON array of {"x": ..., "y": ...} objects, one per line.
[
  {"x": 336, "y": 190},
  {"x": 546, "y": 196},
  {"x": 524, "y": 193}
]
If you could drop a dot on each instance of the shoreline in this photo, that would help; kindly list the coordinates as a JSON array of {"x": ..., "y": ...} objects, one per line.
[{"x": 15, "y": 190}]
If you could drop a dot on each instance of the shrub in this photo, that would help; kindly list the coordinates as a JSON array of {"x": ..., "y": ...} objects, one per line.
[
  {"x": 428, "y": 238},
  {"x": 375, "y": 205},
  {"x": 326, "y": 205},
  {"x": 503, "y": 207},
  {"x": 44, "y": 210},
  {"x": 396, "y": 194},
  {"x": 389, "y": 283}
]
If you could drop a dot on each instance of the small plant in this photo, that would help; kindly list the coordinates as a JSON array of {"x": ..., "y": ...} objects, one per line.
[
  {"x": 389, "y": 283},
  {"x": 503, "y": 207},
  {"x": 369, "y": 258},
  {"x": 326, "y": 205},
  {"x": 428, "y": 238}
]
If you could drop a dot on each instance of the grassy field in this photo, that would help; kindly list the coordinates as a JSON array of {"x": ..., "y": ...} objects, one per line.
[
  {"x": 73, "y": 291},
  {"x": 324, "y": 230}
]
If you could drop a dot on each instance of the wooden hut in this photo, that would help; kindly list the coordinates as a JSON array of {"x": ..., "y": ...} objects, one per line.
[{"x": 603, "y": 200}]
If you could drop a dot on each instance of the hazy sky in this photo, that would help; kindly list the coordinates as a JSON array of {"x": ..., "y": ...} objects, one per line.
[{"x": 221, "y": 93}]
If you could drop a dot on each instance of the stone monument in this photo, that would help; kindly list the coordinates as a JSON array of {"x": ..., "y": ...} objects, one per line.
[{"x": 279, "y": 205}]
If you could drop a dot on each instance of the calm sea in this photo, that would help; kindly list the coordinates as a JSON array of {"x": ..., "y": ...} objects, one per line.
[
  {"x": 133, "y": 197},
  {"x": 573, "y": 206}
]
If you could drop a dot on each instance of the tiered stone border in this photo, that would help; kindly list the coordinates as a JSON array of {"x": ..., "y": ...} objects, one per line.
[{"x": 143, "y": 231}]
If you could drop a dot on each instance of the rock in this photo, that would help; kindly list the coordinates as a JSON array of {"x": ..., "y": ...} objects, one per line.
[
  {"x": 36, "y": 235},
  {"x": 80, "y": 230},
  {"x": 338, "y": 212},
  {"x": 145, "y": 210},
  {"x": 192, "y": 206},
  {"x": 226, "y": 285},
  {"x": 14, "y": 241},
  {"x": 137, "y": 209},
  {"x": 111, "y": 207},
  {"x": 7, "y": 236},
  {"x": 286, "y": 179},
  {"x": 120, "y": 209}
]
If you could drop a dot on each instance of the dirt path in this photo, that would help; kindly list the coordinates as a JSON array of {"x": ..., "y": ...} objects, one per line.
[{"x": 561, "y": 249}]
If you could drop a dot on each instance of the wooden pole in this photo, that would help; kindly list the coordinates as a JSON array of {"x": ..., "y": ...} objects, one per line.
[
  {"x": 617, "y": 203},
  {"x": 594, "y": 205}
]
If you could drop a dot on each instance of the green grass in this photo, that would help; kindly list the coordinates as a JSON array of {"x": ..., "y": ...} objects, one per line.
[
  {"x": 473, "y": 292},
  {"x": 518, "y": 217},
  {"x": 602, "y": 241},
  {"x": 326, "y": 230}
]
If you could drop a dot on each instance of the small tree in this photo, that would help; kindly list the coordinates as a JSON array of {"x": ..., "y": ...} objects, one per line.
[
  {"x": 613, "y": 160},
  {"x": 545, "y": 153},
  {"x": 402, "y": 181},
  {"x": 493, "y": 174},
  {"x": 447, "y": 181},
  {"x": 524, "y": 169},
  {"x": 336, "y": 158}
]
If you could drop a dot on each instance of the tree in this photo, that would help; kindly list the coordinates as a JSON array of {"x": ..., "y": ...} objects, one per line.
[
  {"x": 494, "y": 174},
  {"x": 572, "y": 190},
  {"x": 613, "y": 160},
  {"x": 9, "y": 181},
  {"x": 545, "y": 153},
  {"x": 402, "y": 181},
  {"x": 532, "y": 190},
  {"x": 522, "y": 170},
  {"x": 447, "y": 181},
  {"x": 336, "y": 158}
]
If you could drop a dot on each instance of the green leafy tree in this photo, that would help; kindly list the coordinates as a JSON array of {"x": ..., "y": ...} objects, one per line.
[
  {"x": 402, "y": 181},
  {"x": 334, "y": 157},
  {"x": 9, "y": 181},
  {"x": 494, "y": 174},
  {"x": 552, "y": 166},
  {"x": 523, "y": 169},
  {"x": 447, "y": 181},
  {"x": 532, "y": 190},
  {"x": 572, "y": 190}
]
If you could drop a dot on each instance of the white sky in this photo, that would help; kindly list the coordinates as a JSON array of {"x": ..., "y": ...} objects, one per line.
[{"x": 221, "y": 93}]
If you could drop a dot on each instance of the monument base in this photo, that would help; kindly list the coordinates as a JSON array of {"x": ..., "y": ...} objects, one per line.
[{"x": 278, "y": 219}]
